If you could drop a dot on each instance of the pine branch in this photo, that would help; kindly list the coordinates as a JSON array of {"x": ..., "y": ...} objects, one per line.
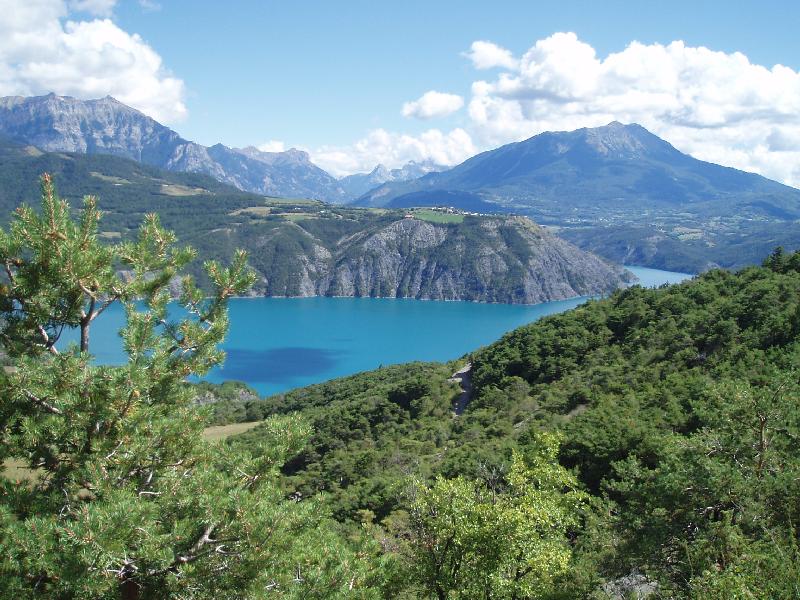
[{"x": 43, "y": 404}]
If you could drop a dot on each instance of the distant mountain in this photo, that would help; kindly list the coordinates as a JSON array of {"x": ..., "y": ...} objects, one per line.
[
  {"x": 359, "y": 184},
  {"x": 610, "y": 167},
  {"x": 106, "y": 126},
  {"x": 622, "y": 192},
  {"x": 308, "y": 248}
]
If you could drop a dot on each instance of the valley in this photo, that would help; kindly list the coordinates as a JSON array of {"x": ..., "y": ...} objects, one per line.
[{"x": 617, "y": 191}]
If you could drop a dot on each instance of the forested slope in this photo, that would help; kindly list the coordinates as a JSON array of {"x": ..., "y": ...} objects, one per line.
[{"x": 678, "y": 410}]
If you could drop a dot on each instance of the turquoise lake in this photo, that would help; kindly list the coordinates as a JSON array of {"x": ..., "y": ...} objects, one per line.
[{"x": 275, "y": 344}]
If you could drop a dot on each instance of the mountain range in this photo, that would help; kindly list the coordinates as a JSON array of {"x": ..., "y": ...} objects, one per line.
[
  {"x": 618, "y": 190},
  {"x": 360, "y": 183},
  {"x": 106, "y": 126},
  {"x": 309, "y": 248},
  {"x": 621, "y": 192},
  {"x": 603, "y": 168}
]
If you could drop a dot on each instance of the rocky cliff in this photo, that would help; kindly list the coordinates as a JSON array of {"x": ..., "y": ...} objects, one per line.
[{"x": 486, "y": 259}]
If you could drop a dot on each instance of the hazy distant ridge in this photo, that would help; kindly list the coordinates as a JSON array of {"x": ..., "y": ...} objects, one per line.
[{"x": 106, "y": 126}]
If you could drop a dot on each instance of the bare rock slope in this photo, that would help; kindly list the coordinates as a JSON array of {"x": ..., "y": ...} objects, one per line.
[{"x": 486, "y": 259}]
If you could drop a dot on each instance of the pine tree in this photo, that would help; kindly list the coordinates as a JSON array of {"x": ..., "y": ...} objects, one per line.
[{"x": 126, "y": 500}]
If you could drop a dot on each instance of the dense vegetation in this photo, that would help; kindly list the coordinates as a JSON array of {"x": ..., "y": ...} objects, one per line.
[
  {"x": 644, "y": 443},
  {"x": 678, "y": 410},
  {"x": 126, "y": 500}
]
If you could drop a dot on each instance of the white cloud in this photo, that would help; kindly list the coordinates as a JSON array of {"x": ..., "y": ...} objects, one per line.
[
  {"x": 149, "y": 5},
  {"x": 394, "y": 150},
  {"x": 42, "y": 51},
  {"x": 433, "y": 104},
  {"x": 486, "y": 55},
  {"x": 272, "y": 146},
  {"x": 99, "y": 8},
  {"x": 714, "y": 105}
]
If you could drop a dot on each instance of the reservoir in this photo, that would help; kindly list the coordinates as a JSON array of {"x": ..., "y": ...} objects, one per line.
[{"x": 276, "y": 344}]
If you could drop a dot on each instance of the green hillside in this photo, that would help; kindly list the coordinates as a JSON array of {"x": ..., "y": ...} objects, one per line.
[
  {"x": 644, "y": 444},
  {"x": 678, "y": 409},
  {"x": 303, "y": 247}
]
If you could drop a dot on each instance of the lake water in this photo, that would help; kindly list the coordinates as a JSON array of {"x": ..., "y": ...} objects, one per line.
[
  {"x": 275, "y": 344},
  {"x": 655, "y": 278}
]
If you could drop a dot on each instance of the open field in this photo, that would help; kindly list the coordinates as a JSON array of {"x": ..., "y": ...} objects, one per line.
[
  {"x": 220, "y": 432},
  {"x": 172, "y": 189},
  {"x": 434, "y": 216},
  {"x": 299, "y": 216},
  {"x": 259, "y": 211},
  {"x": 292, "y": 201},
  {"x": 16, "y": 470},
  {"x": 110, "y": 178}
]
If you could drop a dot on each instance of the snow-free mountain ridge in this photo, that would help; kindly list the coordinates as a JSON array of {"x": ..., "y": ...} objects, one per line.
[
  {"x": 106, "y": 126},
  {"x": 613, "y": 167}
]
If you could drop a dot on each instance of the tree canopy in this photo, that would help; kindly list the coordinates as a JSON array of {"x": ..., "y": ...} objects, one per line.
[{"x": 127, "y": 500}]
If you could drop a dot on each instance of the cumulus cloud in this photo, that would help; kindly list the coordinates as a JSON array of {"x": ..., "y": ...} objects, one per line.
[
  {"x": 272, "y": 146},
  {"x": 486, "y": 55},
  {"x": 43, "y": 50},
  {"x": 433, "y": 104},
  {"x": 394, "y": 150},
  {"x": 714, "y": 105}
]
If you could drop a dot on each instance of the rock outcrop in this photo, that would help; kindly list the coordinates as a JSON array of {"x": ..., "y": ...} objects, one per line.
[{"x": 485, "y": 259}]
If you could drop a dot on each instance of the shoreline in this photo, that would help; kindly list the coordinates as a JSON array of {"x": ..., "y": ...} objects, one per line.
[{"x": 411, "y": 299}]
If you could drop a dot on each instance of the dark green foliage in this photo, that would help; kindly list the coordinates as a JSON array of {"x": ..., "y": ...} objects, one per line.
[
  {"x": 678, "y": 410},
  {"x": 680, "y": 414},
  {"x": 681, "y": 404},
  {"x": 371, "y": 431},
  {"x": 124, "y": 499}
]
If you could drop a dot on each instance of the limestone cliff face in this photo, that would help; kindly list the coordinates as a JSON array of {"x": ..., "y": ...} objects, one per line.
[{"x": 484, "y": 259}]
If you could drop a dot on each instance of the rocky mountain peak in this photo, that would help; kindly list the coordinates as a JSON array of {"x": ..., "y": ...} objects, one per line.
[
  {"x": 360, "y": 183},
  {"x": 380, "y": 172},
  {"x": 618, "y": 140},
  {"x": 297, "y": 155},
  {"x": 107, "y": 126}
]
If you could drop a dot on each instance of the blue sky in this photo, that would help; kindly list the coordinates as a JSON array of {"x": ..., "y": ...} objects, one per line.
[
  {"x": 314, "y": 73},
  {"x": 333, "y": 78}
]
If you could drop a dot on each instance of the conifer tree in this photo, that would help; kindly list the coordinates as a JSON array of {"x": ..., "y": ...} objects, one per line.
[{"x": 126, "y": 500}]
